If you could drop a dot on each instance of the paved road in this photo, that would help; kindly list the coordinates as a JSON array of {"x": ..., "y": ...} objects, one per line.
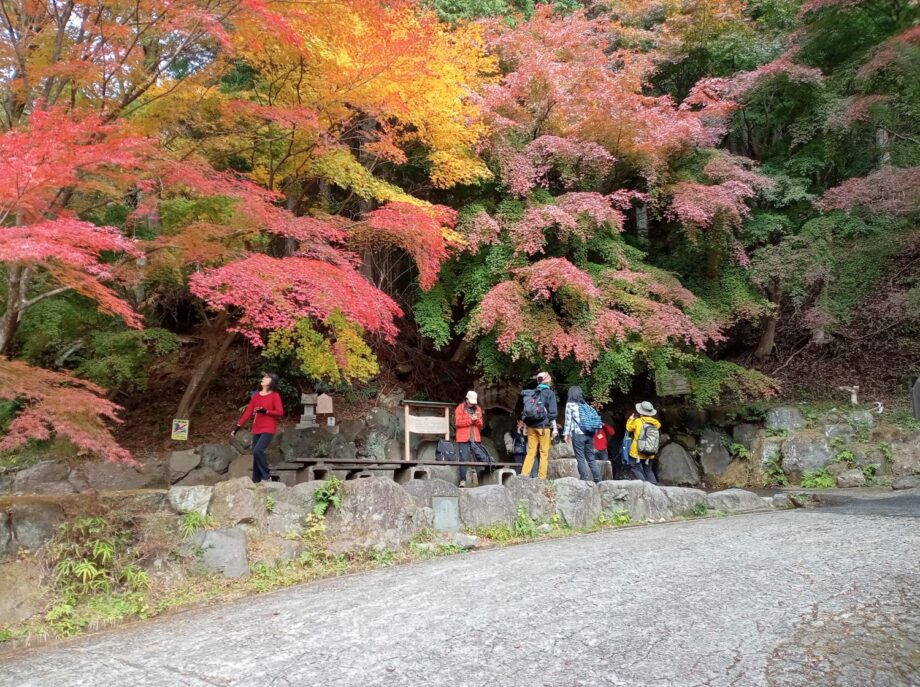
[{"x": 796, "y": 598}]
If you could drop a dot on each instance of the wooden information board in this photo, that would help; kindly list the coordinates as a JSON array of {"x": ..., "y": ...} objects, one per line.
[{"x": 424, "y": 424}]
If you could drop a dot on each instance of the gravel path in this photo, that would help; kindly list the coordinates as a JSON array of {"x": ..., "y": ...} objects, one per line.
[{"x": 816, "y": 597}]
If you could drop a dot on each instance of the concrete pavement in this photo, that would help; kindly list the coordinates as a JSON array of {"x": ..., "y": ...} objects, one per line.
[{"x": 816, "y": 597}]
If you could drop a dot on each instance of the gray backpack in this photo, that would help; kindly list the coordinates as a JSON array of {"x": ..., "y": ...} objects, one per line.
[{"x": 649, "y": 437}]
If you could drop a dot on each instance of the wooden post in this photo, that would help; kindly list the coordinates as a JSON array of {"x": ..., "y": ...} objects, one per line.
[
  {"x": 406, "y": 431},
  {"x": 447, "y": 419}
]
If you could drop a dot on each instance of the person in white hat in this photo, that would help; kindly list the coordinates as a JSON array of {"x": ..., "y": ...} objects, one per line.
[
  {"x": 645, "y": 429},
  {"x": 469, "y": 418}
]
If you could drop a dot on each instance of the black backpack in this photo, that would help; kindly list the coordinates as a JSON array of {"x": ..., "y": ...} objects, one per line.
[
  {"x": 535, "y": 411},
  {"x": 446, "y": 451}
]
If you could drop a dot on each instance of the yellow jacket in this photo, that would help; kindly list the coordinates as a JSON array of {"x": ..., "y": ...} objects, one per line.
[{"x": 634, "y": 425}]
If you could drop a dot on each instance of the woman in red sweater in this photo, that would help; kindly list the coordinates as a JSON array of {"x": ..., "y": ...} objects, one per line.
[{"x": 266, "y": 406}]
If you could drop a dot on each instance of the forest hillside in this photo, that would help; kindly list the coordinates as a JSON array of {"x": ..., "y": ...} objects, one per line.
[{"x": 360, "y": 195}]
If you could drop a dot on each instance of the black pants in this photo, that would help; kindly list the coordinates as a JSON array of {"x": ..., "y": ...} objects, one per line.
[
  {"x": 466, "y": 451},
  {"x": 260, "y": 444}
]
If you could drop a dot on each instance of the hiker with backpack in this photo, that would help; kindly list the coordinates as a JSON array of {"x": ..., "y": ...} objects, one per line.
[
  {"x": 581, "y": 422},
  {"x": 469, "y": 419},
  {"x": 516, "y": 444},
  {"x": 644, "y": 431},
  {"x": 539, "y": 414}
]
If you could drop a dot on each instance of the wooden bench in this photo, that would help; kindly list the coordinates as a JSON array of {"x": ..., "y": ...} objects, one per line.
[{"x": 321, "y": 468}]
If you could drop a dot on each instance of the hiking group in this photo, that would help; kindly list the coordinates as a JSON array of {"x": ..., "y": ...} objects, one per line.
[{"x": 531, "y": 439}]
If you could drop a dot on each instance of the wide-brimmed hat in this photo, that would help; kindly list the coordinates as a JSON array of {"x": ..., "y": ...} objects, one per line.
[
  {"x": 646, "y": 408},
  {"x": 472, "y": 398}
]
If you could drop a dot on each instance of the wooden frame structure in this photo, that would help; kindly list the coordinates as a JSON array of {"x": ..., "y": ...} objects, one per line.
[{"x": 424, "y": 424}]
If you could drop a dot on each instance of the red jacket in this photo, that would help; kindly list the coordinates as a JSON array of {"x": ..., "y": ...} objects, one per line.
[
  {"x": 602, "y": 436},
  {"x": 267, "y": 422},
  {"x": 468, "y": 424}
]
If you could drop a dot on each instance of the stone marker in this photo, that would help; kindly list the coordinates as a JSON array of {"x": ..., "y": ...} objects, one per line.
[
  {"x": 916, "y": 398},
  {"x": 446, "y": 513}
]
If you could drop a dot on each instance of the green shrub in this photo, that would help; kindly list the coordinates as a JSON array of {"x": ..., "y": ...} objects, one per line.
[
  {"x": 524, "y": 525},
  {"x": 818, "y": 479}
]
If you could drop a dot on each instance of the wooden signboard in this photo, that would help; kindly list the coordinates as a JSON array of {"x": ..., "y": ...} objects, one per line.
[
  {"x": 424, "y": 424},
  {"x": 673, "y": 384}
]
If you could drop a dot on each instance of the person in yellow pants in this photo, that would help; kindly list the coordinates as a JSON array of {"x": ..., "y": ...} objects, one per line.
[{"x": 540, "y": 412}]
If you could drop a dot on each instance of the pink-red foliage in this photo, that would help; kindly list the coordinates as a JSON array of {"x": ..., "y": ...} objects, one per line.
[
  {"x": 545, "y": 277},
  {"x": 743, "y": 83},
  {"x": 480, "y": 230},
  {"x": 58, "y": 150},
  {"x": 71, "y": 250},
  {"x": 699, "y": 207},
  {"x": 420, "y": 231},
  {"x": 56, "y": 404},
  {"x": 887, "y": 191},
  {"x": 888, "y": 52},
  {"x": 273, "y": 293}
]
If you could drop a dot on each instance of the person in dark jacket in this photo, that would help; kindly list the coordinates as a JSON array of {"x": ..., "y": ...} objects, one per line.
[
  {"x": 541, "y": 433},
  {"x": 265, "y": 406}
]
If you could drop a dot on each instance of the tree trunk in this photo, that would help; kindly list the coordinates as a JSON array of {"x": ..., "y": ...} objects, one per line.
[
  {"x": 17, "y": 286},
  {"x": 768, "y": 323},
  {"x": 642, "y": 223},
  {"x": 217, "y": 343}
]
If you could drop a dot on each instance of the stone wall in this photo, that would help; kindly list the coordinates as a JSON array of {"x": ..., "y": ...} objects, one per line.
[{"x": 264, "y": 524}]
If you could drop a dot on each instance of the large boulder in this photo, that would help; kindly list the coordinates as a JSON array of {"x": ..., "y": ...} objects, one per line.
[
  {"x": 393, "y": 450},
  {"x": 302, "y": 496},
  {"x": 99, "y": 476},
  {"x": 421, "y": 490},
  {"x": 535, "y": 493},
  {"x": 906, "y": 456},
  {"x": 784, "y": 418},
  {"x": 6, "y": 535},
  {"x": 236, "y": 502},
  {"x": 906, "y": 482},
  {"x": 48, "y": 476},
  {"x": 675, "y": 466},
  {"x": 286, "y": 518},
  {"x": 851, "y": 478},
  {"x": 840, "y": 431},
  {"x": 578, "y": 502},
  {"x": 387, "y": 422},
  {"x": 200, "y": 476},
  {"x": 241, "y": 466},
  {"x": 375, "y": 445},
  {"x": 34, "y": 521},
  {"x": 562, "y": 467},
  {"x": 714, "y": 456},
  {"x": 181, "y": 463},
  {"x": 561, "y": 451},
  {"x": 223, "y": 551},
  {"x": 427, "y": 451},
  {"x": 684, "y": 502},
  {"x": 686, "y": 440},
  {"x": 311, "y": 442},
  {"x": 806, "y": 451},
  {"x": 767, "y": 450},
  {"x": 242, "y": 441},
  {"x": 744, "y": 434},
  {"x": 351, "y": 430},
  {"x": 216, "y": 456},
  {"x": 484, "y": 506},
  {"x": 449, "y": 473},
  {"x": 735, "y": 501},
  {"x": 642, "y": 500},
  {"x": 375, "y": 513},
  {"x": 21, "y": 592},
  {"x": 194, "y": 499}
]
